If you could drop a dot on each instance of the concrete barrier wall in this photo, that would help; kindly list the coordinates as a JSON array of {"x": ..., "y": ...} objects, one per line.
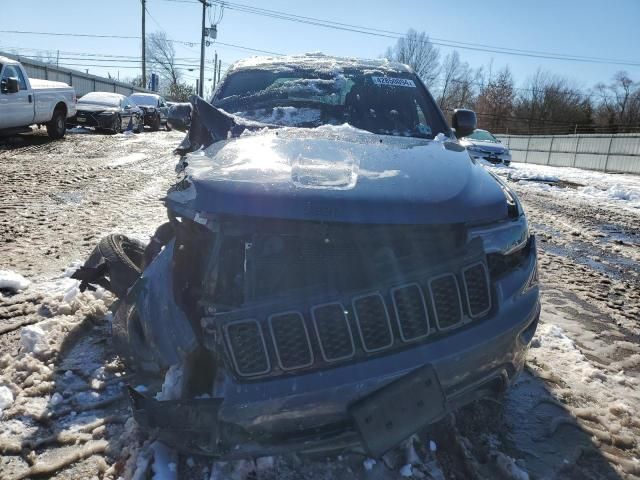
[
  {"x": 82, "y": 82},
  {"x": 607, "y": 153}
]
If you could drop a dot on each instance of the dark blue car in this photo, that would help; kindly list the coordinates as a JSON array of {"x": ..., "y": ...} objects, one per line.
[{"x": 337, "y": 271}]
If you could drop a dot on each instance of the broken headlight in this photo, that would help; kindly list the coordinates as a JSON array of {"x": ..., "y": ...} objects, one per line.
[{"x": 505, "y": 238}]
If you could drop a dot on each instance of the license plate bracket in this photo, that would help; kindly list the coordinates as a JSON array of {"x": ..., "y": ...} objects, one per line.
[{"x": 396, "y": 411}]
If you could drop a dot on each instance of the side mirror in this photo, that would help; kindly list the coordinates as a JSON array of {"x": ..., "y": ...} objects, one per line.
[
  {"x": 10, "y": 85},
  {"x": 127, "y": 107},
  {"x": 464, "y": 122}
]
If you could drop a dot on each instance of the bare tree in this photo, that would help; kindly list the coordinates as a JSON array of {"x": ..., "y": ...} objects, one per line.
[
  {"x": 161, "y": 56},
  {"x": 552, "y": 104},
  {"x": 419, "y": 53},
  {"x": 457, "y": 83},
  {"x": 495, "y": 101},
  {"x": 619, "y": 106}
]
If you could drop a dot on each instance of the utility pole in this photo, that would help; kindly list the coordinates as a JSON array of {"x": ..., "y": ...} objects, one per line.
[
  {"x": 144, "y": 46},
  {"x": 219, "y": 69},
  {"x": 215, "y": 69},
  {"x": 204, "y": 13}
]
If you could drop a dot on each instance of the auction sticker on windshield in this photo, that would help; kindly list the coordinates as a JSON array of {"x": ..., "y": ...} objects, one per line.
[{"x": 393, "y": 82}]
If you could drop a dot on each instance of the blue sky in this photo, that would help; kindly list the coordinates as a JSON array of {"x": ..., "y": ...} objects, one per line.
[{"x": 586, "y": 28}]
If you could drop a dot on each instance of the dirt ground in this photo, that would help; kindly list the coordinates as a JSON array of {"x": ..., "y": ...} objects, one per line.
[{"x": 572, "y": 414}]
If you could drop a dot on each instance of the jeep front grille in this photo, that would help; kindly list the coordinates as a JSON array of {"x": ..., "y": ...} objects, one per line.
[
  {"x": 372, "y": 319},
  {"x": 476, "y": 285},
  {"x": 445, "y": 296},
  {"x": 291, "y": 340},
  {"x": 355, "y": 327},
  {"x": 334, "y": 333},
  {"x": 248, "y": 348},
  {"x": 411, "y": 312}
]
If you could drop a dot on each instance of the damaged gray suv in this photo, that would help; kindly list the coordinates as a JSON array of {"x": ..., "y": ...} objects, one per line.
[{"x": 336, "y": 273}]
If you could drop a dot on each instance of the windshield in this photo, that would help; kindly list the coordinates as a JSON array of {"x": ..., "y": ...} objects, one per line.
[
  {"x": 98, "y": 98},
  {"x": 144, "y": 100},
  {"x": 394, "y": 104},
  {"x": 483, "y": 136}
]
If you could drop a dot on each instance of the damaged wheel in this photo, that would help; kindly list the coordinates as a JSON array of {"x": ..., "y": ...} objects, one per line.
[{"x": 115, "y": 264}]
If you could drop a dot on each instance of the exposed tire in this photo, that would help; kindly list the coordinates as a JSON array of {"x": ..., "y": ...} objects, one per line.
[
  {"x": 117, "y": 125},
  {"x": 166, "y": 125},
  {"x": 57, "y": 127},
  {"x": 155, "y": 125},
  {"x": 139, "y": 126},
  {"x": 115, "y": 263}
]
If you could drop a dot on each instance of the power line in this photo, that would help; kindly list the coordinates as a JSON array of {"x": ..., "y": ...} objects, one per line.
[
  {"x": 129, "y": 37},
  {"x": 396, "y": 35}
]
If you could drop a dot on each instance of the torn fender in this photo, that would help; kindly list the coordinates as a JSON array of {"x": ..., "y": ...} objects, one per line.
[{"x": 168, "y": 332}]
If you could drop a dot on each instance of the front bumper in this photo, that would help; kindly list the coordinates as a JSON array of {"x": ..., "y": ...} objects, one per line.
[
  {"x": 89, "y": 119},
  {"x": 495, "y": 158},
  {"x": 150, "y": 117},
  {"x": 313, "y": 411}
]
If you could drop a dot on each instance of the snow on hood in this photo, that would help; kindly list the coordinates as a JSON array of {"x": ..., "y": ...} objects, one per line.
[
  {"x": 37, "y": 83},
  {"x": 339, "y": 173},
  {"x": 102, "y": 98}
]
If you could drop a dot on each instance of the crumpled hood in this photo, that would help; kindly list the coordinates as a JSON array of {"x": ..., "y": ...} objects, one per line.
[{"x": 338, "y": 174}]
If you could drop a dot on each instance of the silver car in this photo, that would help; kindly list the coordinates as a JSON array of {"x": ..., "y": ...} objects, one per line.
[{"x": 483, "y": 145}]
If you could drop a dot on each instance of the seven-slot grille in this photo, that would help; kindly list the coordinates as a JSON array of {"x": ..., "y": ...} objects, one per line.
[{"x": 418, "y": 309}]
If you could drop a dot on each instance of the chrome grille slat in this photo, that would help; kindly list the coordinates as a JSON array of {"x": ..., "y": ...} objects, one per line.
[
  {"x": 333, "y": 331},
  {"x": 372, "y": 319},
  {"x": 248, "y": 348},
  {"x": 291, "y": 340},
  {"x": 447, "y": 304},
  {"x": 475, "y": 279},
  {"x": 411, "y": 312}
]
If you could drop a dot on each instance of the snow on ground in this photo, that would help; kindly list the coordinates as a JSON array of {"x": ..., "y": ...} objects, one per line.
[
  {"x": 6, "y": 398},
  {"x": 172, "y": 386},
  {"x": 12, "y": 281},
  {"x": 621, "y": 189}
]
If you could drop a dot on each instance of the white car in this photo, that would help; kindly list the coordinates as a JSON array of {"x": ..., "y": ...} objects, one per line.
[
  {"x": 25, "y": 102},
  {"x": 483, "y": 145}
]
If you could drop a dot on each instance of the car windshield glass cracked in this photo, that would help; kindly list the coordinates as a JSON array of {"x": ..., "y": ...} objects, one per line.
[{"x": 391, "y": 105}]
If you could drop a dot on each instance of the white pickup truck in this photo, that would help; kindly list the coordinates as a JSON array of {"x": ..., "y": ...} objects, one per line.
[{"x": 25, "y": 102}]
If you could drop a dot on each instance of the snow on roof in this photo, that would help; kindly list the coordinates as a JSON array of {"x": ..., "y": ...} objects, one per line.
[
  {"x": 317, "y": 61},
  {"x": 103, "y": 95},
  {"x": 140, "y": 94}
]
